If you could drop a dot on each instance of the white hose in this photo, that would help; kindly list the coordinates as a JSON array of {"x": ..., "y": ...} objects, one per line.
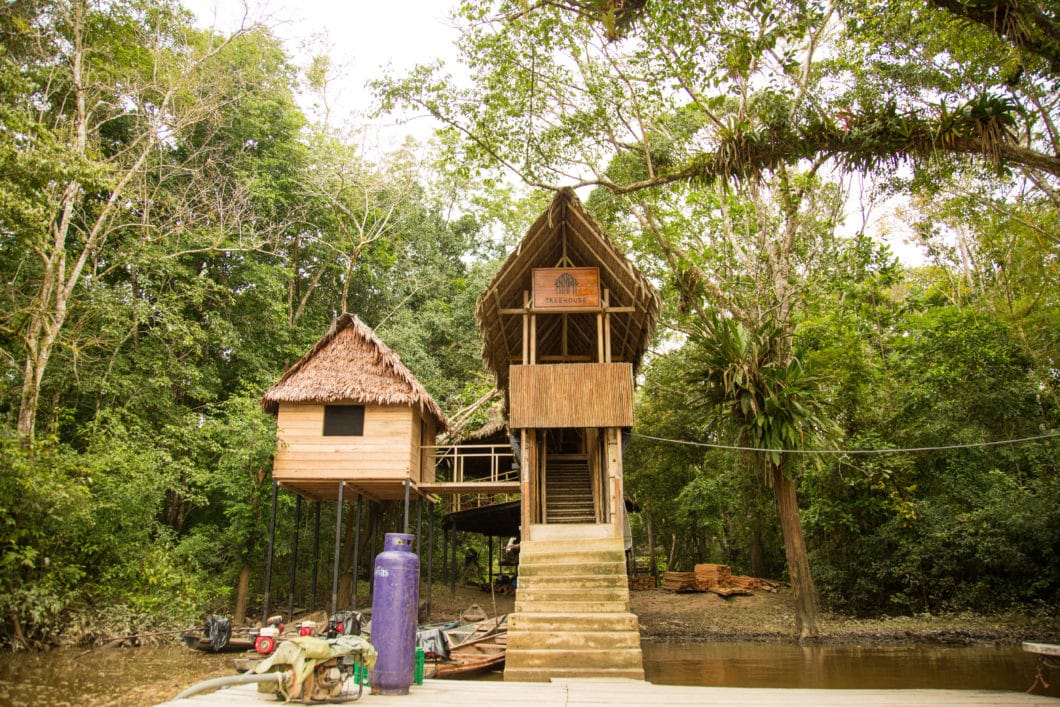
[{"x": 244, "y": 679}]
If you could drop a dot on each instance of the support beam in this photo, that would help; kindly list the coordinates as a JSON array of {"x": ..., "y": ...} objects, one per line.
[
  {"x": 419, "y": 527},
  {"x": 406, "y": 526},
  {"x": 430, "y": 561},
  {"x": 268, "y": 557},
  {"x": 452, "y": 577},
  {"x": 294, "y": 555},
  {"x": 316, "y": 556},
  {"x": 356, "y": 547},
  {"x": 338, "y": 552}
]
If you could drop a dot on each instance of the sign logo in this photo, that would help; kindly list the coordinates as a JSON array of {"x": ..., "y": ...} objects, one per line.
[{"x": 567, "y": 289}]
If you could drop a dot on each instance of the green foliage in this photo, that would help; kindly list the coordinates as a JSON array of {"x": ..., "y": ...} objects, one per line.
[{"x": 45, "y": 516}]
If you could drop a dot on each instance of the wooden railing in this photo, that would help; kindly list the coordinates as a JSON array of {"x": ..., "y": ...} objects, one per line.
[
  {"x": 492, "y": 483},
  {"x": 454, "y": 457}
]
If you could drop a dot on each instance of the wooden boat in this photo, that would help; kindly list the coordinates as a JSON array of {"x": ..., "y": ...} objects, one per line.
[
  {"x": 473, "y": 649},
  {"x": 202, "y": 643}
]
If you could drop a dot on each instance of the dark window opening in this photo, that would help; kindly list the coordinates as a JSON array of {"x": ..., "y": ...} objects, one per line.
[{"x": 343, "y": 420}]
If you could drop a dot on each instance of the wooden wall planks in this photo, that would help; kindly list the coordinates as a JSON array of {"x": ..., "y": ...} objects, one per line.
[{"x": 572, "y": 395}]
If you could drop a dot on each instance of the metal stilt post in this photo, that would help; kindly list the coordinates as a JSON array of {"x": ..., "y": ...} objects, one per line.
[
  {"x": 294, "y": 555},
  {"x": 407, "y": 484},
  {"x": 430, "y": 561},
  {"x": 316, "y": 556},
  {"x": 268, "y": 558},
  {"x": 356, "y": 546},
  {"x": 338, "y": 548}
]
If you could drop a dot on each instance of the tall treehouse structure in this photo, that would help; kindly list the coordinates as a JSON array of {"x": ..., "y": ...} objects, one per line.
[
  {"x": 565, "y": 323},
  {"x": 352, "y": 422}
]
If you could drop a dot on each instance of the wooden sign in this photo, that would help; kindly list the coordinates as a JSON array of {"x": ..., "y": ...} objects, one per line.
[{"x": 566, "y": 288}]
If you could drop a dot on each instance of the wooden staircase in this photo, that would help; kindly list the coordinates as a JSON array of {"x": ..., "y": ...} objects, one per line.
[
  {"x": 568, "y": 490},
  {"x": 572, "y": 616}
]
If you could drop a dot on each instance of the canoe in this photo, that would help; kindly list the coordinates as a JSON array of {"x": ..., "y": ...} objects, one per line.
[
  {"x": 473, "y": 649},
  {"x": 202, "y": 643}
]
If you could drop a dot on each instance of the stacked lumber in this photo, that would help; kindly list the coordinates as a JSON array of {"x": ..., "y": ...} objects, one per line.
[
  {"x": 680, "y": 582},
  {"x": 742, "y": 582},
  {"x": 708, "y": 576},
  {"x": 642, "y": 582}
]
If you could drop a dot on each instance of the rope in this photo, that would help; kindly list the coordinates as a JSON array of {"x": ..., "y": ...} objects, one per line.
[{"x": 737, "y": 448}]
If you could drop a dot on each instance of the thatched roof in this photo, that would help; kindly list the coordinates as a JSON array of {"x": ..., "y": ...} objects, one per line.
[
  {"x": 351, "y": 365},
  {"x": 566, "y": 229}
]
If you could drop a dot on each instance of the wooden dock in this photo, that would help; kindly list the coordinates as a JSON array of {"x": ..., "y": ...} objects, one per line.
[{"x": 596, "y": 691}]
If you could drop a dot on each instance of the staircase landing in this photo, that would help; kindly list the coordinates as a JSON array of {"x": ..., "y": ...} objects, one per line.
[{"x": 572, "y": 616}]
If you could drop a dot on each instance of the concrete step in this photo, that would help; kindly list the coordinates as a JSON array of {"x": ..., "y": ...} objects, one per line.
[
  {"x": 559, "y": 622},
  {"x": 588, "y": 556},
  {"x": 580, "y": 582},
  {"x": 539, "y": 675},
  {"x": 560, "y": 569},
  {"x": 602, "y": 541},
  {"x": 574, "y": 640},
  {"x": 587, "y": 531},
  {"x": 618, "y": 592},
  {"x": 546, "y": 607},
  {"x": 589, "y": 658}
]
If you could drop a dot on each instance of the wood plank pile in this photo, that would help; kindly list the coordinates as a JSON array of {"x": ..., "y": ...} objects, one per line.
[
  {"x": 642, "y": 582},
  {"x": 742, "y": 582},
  {"x": 718, "y": 579},
  {"x": 708, "y": 576},
  {"x": 680, "y": 582}
]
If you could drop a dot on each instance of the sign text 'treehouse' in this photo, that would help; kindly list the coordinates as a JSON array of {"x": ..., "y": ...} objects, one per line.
[{"x": 566, "y": 288}]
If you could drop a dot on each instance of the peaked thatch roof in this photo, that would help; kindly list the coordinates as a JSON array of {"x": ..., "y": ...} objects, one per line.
[
  {"x": 351, "y": 365},
  {"x": 566, "y": 233}
]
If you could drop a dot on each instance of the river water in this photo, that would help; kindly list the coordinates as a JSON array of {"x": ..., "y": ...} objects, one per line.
[{"x": 144, "y": 676}]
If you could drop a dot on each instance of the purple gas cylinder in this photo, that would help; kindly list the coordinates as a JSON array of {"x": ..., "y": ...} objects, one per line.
[{"x": 395, "y": 600}]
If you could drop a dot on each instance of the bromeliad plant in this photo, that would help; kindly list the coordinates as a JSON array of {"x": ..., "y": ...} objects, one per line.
[{"x": 754, "y": 392}]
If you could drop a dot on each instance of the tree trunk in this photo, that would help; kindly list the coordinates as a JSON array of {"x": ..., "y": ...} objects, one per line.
[
  {"x": 795, "y": 552},
  {"x": 758, "y": 555},
  {"x": 651, "y": 545},
  {"x": 242, "y": 590}
]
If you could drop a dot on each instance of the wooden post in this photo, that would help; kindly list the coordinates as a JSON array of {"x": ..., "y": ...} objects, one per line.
[
  {"x": 526, "y": 327},
  {"x": 406, "y": 525},
  {"x": 541, "y": 468},
  {"x": 452, "y": 577},
  {"x": 338, "y": 548},
  {"x": 490, "y": 573},
  {"x": 563, "y": 347},
  {"x": 356, "y": 547},
  {"x": 268, "y": 557},
  {"x": 316, "y": 556},
  {"x": 614, "y": 470},
  {"x": 607, "y": 327},
  {"x": 430, "y": 560},
  {"x": 419, "y": 526},
  {"x": 525, "y": 482},
  {"x": 533, "y": 339},
  {"x": 294, "y": 556}
]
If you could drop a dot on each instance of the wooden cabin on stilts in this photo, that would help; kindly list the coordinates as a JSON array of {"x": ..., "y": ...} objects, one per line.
[
  {"x": 566, "y": 322},
  {"x": 353, "y": 424}
]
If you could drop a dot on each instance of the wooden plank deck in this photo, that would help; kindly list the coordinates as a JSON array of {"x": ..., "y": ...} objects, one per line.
[{"x": 593, "y": 691}]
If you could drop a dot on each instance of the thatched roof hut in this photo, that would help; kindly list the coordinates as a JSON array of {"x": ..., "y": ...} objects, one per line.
[
  {"x": 566, "y": 234},
  {"x": 350, "y": 364}
]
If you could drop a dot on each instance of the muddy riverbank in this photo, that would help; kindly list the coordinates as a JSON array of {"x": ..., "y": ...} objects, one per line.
[{"x": 766, "y": 616}]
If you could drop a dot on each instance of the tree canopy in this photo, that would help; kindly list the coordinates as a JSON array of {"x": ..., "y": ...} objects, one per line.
[{"x": 175, "y": 231}]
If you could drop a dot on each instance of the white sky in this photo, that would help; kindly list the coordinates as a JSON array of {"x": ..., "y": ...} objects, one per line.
[{"x": 363, "y": 38}]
